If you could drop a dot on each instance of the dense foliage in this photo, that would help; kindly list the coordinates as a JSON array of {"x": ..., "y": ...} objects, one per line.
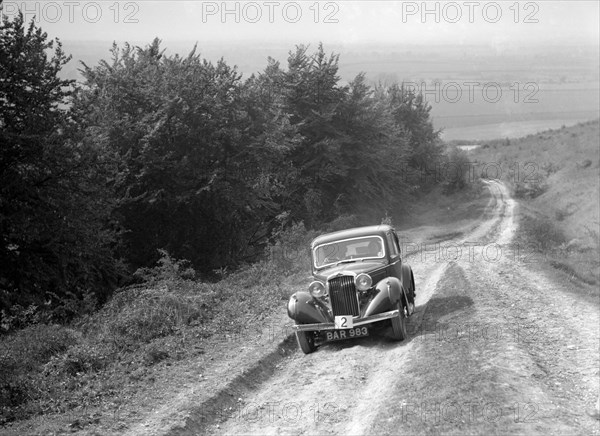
[
  {"x": 154, "y": 152},
  {"x": 55, "y": 235}
]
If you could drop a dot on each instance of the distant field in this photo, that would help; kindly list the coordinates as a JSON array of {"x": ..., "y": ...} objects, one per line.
[
  {"x": 515, "y": 113},
  {"x": 513, "y": 129}
]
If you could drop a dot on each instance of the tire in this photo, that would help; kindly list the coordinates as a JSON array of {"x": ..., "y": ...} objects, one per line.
[
  {"x": 411, "y": 296},
  {"x": 306, "y": 341},
  {"x": 399, "y": 324}
]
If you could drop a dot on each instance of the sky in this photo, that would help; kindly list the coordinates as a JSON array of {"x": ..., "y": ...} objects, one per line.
[{"x": 498, "y": 24}]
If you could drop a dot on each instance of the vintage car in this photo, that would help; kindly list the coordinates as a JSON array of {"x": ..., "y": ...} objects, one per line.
[{"x": 360, "y": 283}]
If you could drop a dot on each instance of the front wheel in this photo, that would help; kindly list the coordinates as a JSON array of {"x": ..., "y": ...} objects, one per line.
[
  {"x": 399, "y": 324},
  {"x": 306, "y": 341}
]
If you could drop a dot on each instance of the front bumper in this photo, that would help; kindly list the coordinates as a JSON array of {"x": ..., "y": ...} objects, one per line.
[{"x": 356, "y": 322}]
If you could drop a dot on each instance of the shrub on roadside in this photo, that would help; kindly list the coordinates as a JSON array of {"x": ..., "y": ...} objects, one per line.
[
  {"x": 19, "y": 317},
  {"x": 289, "y": 251},
  {"x": 59, "y": 309},
  {"x": 153, "y": 313},
  {"x": 45, "y": 368},
  {"x": 154, "y": 354},
  {"x": 33, "y": 346},
  {"x": 455, "y": 175},
  {"x": 529, "y": 190},
  {"x": 542, "y": 233},
  {"x": 22, "y": 357},
  {"x": 561, "y": 214},
  {"x": 80, "y": 358},
  {"x": 70, "y": 306},
  {"x": 343, "y": 222},
  {"x": 166, "y": 268}
]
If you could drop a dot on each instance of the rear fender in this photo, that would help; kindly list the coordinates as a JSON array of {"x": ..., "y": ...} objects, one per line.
[{"x": 407, "y": 277}]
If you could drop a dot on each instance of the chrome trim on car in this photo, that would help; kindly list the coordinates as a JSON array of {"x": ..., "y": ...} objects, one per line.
[
  {"x": 343, "y": 296},
  {"x": 355, "y": 323}
]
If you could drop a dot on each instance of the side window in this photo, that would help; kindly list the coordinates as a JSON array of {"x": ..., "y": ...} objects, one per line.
[
  {"x": 392, "y": 244},
  {"x": 397, "y": 242}
]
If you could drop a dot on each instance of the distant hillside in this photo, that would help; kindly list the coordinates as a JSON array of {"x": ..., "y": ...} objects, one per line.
[{"x": 558, "y": 182}]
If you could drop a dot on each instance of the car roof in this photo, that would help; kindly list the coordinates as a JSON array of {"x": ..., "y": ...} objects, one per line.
[{"x": 379, "y": 230}]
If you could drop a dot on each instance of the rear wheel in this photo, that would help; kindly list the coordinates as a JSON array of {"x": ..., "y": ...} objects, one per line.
[
  {"x": 306, "y": 341},
  {"x": 411, "y": 296},
  {"x": 399, "y": 324}
]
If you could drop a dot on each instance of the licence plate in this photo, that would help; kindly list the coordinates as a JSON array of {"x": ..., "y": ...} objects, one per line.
[{"x": 336, "y": 335}]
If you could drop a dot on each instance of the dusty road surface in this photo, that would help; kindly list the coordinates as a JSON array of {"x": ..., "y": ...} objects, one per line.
[{"x": 497, "y": 345}]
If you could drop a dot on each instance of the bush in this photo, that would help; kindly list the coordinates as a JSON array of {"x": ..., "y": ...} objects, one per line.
[
  {"x": 290, "y": 251},
  {"x": 561, "y": 214},
  {"x": 586, "y": 163},
  {"x": 387, "y": 220},
  {"x": 34, "y": 346},
  {"x": 59, "y": 309},
  {"x": 529, "y": 190},
  {"x": 455, "y": 171},
  {"x": 343, "y": 222},
  {"x": 19, "y": 317},
  {"x": 22, "y": 356},
  {"x": 167, "y": 268},
  {"x": 80, "y": 358},
  {"x": 152, "y": 313},
  {"x": 550, "y": 168},
  {"x": 542, "y": 233},
  {"x": 70, "y": 306},
  {"x": 155, "y": 354}
]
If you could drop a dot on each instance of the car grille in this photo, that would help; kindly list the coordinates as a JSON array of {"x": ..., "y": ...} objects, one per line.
[{"x": 342, "y": 293}]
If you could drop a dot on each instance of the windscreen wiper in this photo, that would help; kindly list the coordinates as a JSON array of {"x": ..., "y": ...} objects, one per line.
[{"x": 346, "y": 261}]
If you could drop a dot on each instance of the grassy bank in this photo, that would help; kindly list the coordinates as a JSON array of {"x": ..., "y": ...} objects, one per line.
[
  {"x": 555, "y": 177},
  {"x": 170, "y": 318}
]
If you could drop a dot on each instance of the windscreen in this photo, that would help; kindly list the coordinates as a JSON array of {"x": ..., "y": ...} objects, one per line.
[{"x": 367, "y": 247}]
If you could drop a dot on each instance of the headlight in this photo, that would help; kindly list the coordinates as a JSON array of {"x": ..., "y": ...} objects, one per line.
[
  {"x": 316, "y": 289},
  {"x": 363, "y": 282}
]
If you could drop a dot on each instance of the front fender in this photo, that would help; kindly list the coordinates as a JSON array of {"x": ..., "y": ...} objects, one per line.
[
  {"x": 304, "y": 309},
  {"x": 389, "y": 292}
]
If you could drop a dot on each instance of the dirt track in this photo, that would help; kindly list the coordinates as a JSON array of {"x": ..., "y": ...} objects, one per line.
[{"x": 496, "y": 346}]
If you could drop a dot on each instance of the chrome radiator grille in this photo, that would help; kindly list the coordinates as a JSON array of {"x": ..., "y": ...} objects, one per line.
[{"x": 342, "y": 293}]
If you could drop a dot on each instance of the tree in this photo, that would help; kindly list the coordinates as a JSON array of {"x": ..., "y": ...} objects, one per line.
[
  {"x": 55, "y": 238},
  {"x": 207, "y": 164},
  {"x": 312, "y": 97},
  {"x": 375, "y": 149},
  {"x": 353, "y": 145},
  {"x": 199, "y": 153},
  {"x": 411, "y": 113}
]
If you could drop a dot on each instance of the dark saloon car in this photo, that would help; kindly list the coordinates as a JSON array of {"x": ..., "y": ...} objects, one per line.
[{"x": 360, "y": 282}]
